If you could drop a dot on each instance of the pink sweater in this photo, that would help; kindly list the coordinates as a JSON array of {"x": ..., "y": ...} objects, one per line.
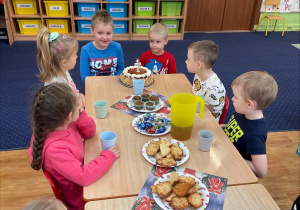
[{"x": 63, "y": 155}]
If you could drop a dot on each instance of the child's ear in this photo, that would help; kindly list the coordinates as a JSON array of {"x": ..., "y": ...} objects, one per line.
[
  {"x": 252, "y": 104},
  {"x": 92, "y": 31},
  {"x": 199, "y": 64},
  {"x": 166, "y": 41},
  {"x": 70, "y": 117},
  {"x": 63, "y": 63}
]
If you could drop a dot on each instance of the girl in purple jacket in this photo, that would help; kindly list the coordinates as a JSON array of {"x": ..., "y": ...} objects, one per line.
[{"x": 59, "y": 125}]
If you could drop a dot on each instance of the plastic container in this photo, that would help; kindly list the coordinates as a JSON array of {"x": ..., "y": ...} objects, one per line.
[
  {"x": 144, "y": 8},
  {"x": 57, "y": 25},
  {"x": 142, "y": 26},
  {"x": 117, "y": 10},
  {"x": 84, "y": 26},
  {"x": 57, "y": 8},
  {"x": 172, "y": 25},
  {"x": 120, "y": 26},
  {"x": 29, "y": 26},
  {"x": 87, "y": 9},
  {"x": 116, "y": 0},
  {"x": 170, "y": 8},
  {"x": 25, "y": 7}
]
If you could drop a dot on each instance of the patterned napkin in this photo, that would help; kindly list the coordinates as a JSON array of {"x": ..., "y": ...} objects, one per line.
[
  {"x": 122, "y": 105},
  {"x": 216, "y": 187}
]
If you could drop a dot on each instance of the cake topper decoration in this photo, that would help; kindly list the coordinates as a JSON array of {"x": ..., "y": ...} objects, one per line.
[{"x": 138, "y": 64}]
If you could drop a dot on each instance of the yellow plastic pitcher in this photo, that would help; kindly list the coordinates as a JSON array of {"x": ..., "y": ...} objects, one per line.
[{"x": 183, "y": 109}]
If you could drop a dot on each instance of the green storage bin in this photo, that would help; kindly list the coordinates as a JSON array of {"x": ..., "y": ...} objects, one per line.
[
  {"x": 142, "y": 26},
  {"x": 172, "y": 25},
  {"x": 144, "y": 8},
  {"x": 170, "y": 8}
]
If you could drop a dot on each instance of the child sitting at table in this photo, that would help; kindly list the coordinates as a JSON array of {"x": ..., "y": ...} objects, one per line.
[
  {"x": 201, "y": 57},
  {"x": 56, "y": 55},
  {"x": 158, "y": 60},
  {"x": 59, "y": 125},
  {"x": 252, "y": 93},
  {"x": 102, "y": 56}
]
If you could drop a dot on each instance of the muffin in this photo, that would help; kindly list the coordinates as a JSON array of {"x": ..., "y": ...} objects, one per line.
[
  {"x": 154, "y": 99},
  {"x": 145, "y": 97},
  {"x": 150, "y": 105},
  {"x": 138, "y": 105},
  {"x": 136, "y": 98}
]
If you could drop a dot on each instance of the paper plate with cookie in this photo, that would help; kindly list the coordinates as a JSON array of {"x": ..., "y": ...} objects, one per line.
[
  {"x": 152, "y": 124},
  {"x": 178, "y": 190},
  {"x": 165, "y": 152}
]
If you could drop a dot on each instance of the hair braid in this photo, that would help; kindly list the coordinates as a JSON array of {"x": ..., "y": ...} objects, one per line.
[{"x": 51, "y": 106}]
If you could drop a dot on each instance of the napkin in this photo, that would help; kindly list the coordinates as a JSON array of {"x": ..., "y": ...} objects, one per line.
[
  {"x": 216, "y": 187},
  {"x": 122, "y": 105}
]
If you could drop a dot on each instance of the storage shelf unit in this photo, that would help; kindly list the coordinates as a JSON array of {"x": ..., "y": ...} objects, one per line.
[{"x": 73, "y": 17}]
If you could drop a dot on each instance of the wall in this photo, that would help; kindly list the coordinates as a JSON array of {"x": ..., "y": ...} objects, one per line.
[{"x": 292, "y": 22}]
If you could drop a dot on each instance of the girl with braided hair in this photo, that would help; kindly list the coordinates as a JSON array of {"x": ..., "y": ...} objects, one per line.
[
  {"x": 56, "y": 55},
  {"x": 59, "y": 125}
]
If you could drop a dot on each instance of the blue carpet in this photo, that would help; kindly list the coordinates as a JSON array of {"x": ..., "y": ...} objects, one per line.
[{"x": 239, "y": 53}]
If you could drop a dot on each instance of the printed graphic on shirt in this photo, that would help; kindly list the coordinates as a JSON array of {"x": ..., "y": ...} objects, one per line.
[
  {"x": 197, "y": 85},
  {"x": 156, "y": 67},
  {"x": 103, "y": 66},
  {"x": 233, "y": 130}
]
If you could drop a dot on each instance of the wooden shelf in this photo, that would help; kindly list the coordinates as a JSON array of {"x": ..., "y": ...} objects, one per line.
[{"x": 15, "y": 35}]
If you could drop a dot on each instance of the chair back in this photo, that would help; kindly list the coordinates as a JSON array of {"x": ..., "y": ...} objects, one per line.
[
  {"x": 53, "y": 185},
  {"x": 271, "y": 2},
  {"x": 225, "y": 110}
]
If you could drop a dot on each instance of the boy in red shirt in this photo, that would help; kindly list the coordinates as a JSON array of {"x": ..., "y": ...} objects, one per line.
[{"x": 158, "y": 60}]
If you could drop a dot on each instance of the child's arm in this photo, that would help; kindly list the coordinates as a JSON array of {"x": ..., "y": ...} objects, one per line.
[
  {"x": 120, "y": 64},
  {"x": 258, "y": 165},
  {"x": 82, "y": 100},
  {"x": 210, "y": 107},
  {"x": 85, "y": 125},
  {"x": 172, "y": 65},
  {"x": 84, "y": 64}
]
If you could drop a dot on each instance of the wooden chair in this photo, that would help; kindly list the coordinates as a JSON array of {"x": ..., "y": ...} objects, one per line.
[
  {"x": 53, "y": 185},
  {"x": 225, "y": 110},
  {"x": 271, "y": 17}
]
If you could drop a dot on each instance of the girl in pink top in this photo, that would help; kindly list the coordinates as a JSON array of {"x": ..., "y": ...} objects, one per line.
[{"x": 59, "y": 125}]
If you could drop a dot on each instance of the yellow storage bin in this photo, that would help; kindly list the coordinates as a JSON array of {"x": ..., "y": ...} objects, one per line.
[
  {"x": 25, "y": 7},
  {"x": 57, "y": 8},
  {"x": 29, "y": 26},
  {"x": 57, "y": 25}
]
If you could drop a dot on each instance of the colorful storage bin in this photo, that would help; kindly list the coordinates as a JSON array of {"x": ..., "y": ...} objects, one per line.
[
  {"x": 169, "y": 8},
  {"x": 116, "y": 0},
  {"x": 84, "y": 26},
  {"x": 117, "y": 10},
  {"x": 57, "y": 8},
  {"x": 29, "y": 26},
  {"x": 142, "y": 26},
  {"x": 120, "y": 26},
  {"x": 25, "y": 7},
  {"x": 87, "y": 9},
  {"x": 144, "y": 8},
  {"x": 58, "y": 25},
  {"x": 172, "y": 25}
]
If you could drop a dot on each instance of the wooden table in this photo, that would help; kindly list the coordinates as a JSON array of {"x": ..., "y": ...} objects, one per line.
[
  {"x": 129, "y": 172},
  {"x": 251, "y": 196}
]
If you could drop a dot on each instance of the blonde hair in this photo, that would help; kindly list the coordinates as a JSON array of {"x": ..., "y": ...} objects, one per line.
[
  {"x": 102, "y": 16},
  {"x": 50, "y": 54},
  {"x": 259, "y": 86},
  {"x": 206, "y": 51},
  {"x": 45, "y": 204},
  {"x": 159, "y": 28}
]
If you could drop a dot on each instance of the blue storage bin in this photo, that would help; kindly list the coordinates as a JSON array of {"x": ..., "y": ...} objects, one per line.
[
  {"x": 120, "y": 26},
  {"x": 117, "y": 10},
  {"x": 87, "y": 9},
  {"x": 84, "y": 26},
  {"x": 116, "y": 0}
]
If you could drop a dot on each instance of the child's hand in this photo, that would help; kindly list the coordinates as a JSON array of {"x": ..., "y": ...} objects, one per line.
[
  {"x": 115, "y": 150},
  {"x": 82, "y": 98}
]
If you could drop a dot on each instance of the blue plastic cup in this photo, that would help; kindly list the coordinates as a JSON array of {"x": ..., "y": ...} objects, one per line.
[
  {"x": 138, "y": 87},
  {"x": 108, "y": 139}
]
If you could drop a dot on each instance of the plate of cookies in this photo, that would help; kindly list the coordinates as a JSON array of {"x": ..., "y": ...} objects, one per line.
[
  {"x": 165, "y": 152},
  {"x": 145, "y": 103},
  {"x": 178, "y": 190},
  {"x": 152, "y": 124}
]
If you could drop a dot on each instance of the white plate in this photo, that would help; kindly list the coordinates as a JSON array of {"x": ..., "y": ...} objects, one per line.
[
  {"x": 165, "y": 204},
  {"x": 137, "y": 119},
  {"x": 157, "y": 107},
  {"x": 152, "y": 159}
]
